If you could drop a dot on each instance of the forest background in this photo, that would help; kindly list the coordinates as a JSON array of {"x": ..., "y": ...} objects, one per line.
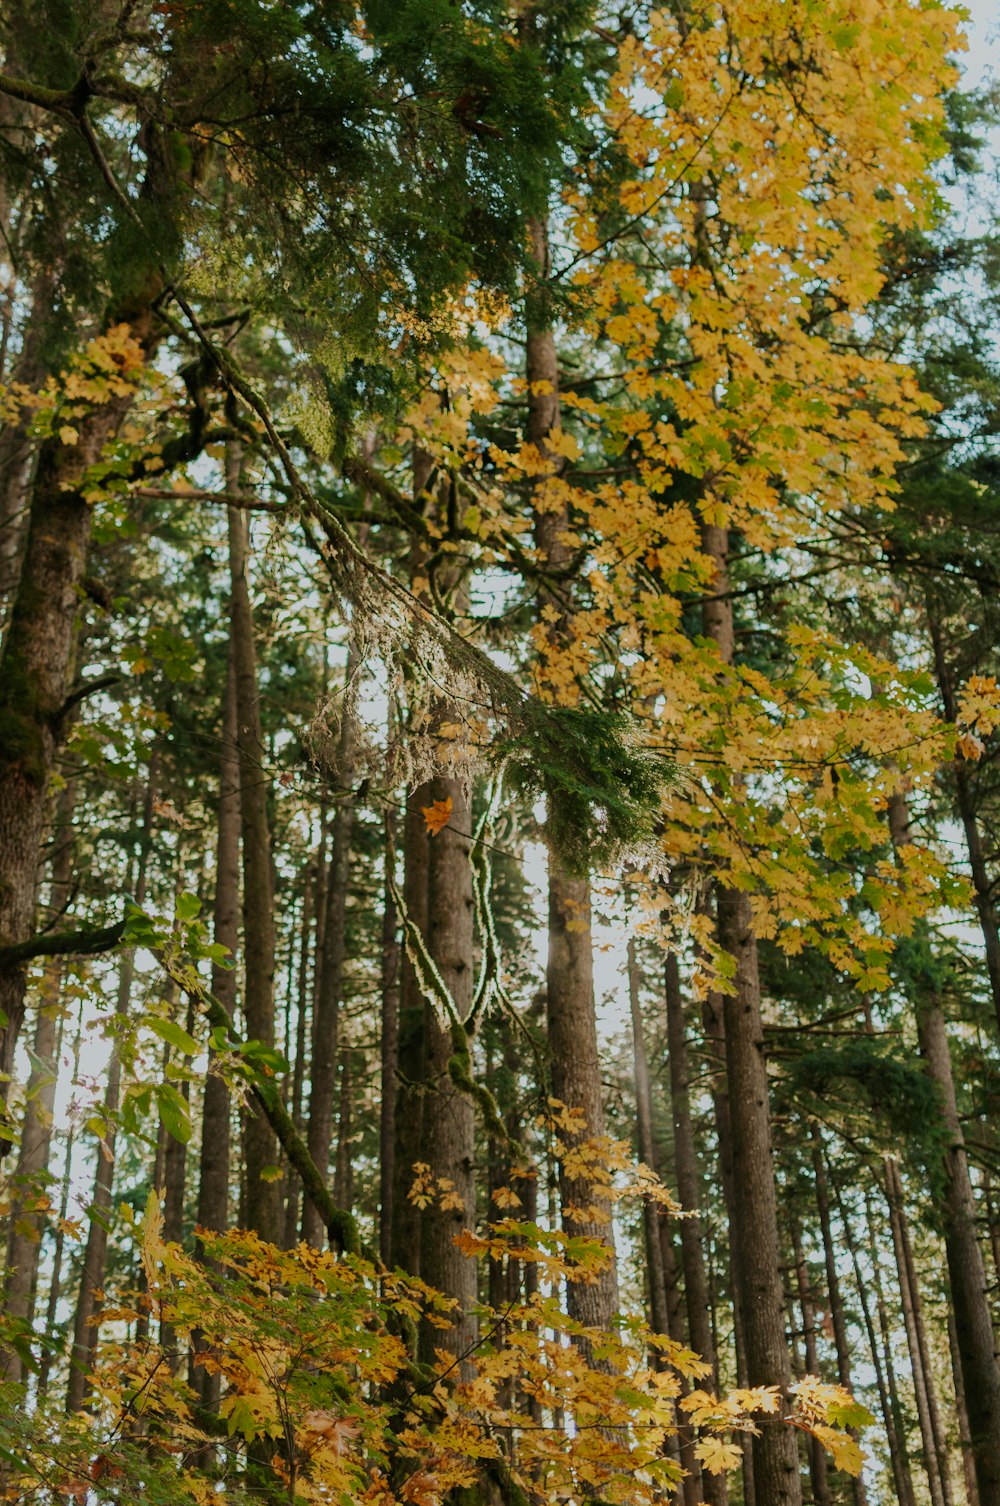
[{"x": 499, "y": 934}]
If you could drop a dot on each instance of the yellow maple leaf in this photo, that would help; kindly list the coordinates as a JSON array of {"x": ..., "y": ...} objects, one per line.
[{"x": 717, "y": 1456}]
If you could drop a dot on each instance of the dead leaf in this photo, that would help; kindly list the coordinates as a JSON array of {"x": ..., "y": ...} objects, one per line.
[{"x": 437, "y": 815}]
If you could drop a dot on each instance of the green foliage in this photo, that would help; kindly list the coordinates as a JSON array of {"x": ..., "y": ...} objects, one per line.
[{"x": 601, "y": 788}]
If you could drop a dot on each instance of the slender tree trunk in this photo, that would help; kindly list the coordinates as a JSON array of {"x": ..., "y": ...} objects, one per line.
[
  {"x": 87, "y": 1314},
  {"x": 973, "y": 1320},
  {"x": 448, "y": 1138},
  {"x": 389, "y": 1046},
  {"x": 818, "y": 1469},
  {"x": 29, "y": 1198},
  {"x": 688, "y": 1192},
  {"x": 837, "y": 1317},
  {"x": 55, "y": 1279},
  {"x": 408, "y": 1128},
  {"x": 713, "y": 1022},
  {"x": 343, "y": 1182},
  {"x": 572, "y": 1023},
  {"x": 962, "y": 1417},
  {"x": 263, "y": 1191},
  {"x": 923, "y": 1385},
  {"x": 326, "y": 1021},
  {"x": 213, "y": 1159},
  {"x": 410, "y": 1094},
  {"x": 213, "y": 1179},
  {"x": 975, "y": 1339},
  {"x": 666, "y": 1308},
  {"x": 757, "y": 1266},
  {"x": 647, "y": 1150},
  {"x": 881, "y": 1354}
]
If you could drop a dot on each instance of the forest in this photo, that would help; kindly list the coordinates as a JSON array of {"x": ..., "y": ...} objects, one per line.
[{"x": 499, "y": 754}]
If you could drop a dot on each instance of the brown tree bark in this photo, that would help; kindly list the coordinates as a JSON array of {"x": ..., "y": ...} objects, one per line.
[
  {"x": 408, "y": 1127},
  {"x": 329, "y": 995},
  {"x": 688, "y": 1192},
  {"x": 569, "y": 976},
  {"x": 974, "y": 1335},
  {"x": 881, "y": 1357},
  {"x": 213, "y": 1173},
  {"x": 757, "y": 1263},
  {"x": 818, "y": 1468},
  {"x": 38, "y": 650},
  {"x": 389, "y": 1051},
  {"x": 962, "y": 1417},
  {"x": 343, "y": 1181},
  {"x": 263, "y": 1195},
  {"x": 973, "y": 1320},
  {"x": 36, "y": 667},
  {"x": 909, "y": 1292},
  {"x": 28, "y": 1197},
  {"x": 656, "y": 1282},
  {"x": 666, "y": 1307},
  {"x": 448, "y": 1129},
  {"x": 713, "y": 1023},
  {"x": 834, "y": 1294},
  {"x": 87, "y": 1313}
]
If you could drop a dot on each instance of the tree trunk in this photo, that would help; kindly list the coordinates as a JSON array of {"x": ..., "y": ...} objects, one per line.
[
  {"x": 213, "y": 1177},
  {"x": 818, "y": 1469},
  {"x": 28, "y": 1195},
  {"x": 55, "y": 1279},
  {"x": 263, "y": 1191},
  {"x": 757, "y": 1266},
  {"x": 86, "y": 1317},
  {"x": 647, "y": 1152},
  {"x": 923, "y": 1384},
  {"x": 343, "y": 1182},
  {"x": 962, "y": 1417},
  {"x": 697, "y": 1303},
  {"x": 976, "y": 1343},
  {"x": 837, "y": 1317},
  {"x": 408, "y": 1128},
  {"x": 389, "y": 1049},
  {"x": 36, "y": 668},
  {"x": 326, "y": 1021},
  {"x": 572, "y": 1023},
  {"x": 892, "y": 1416},
  {"x": 448, "y": 1138},
  {"x": 713, "y": 1023},
  {"x": 973, "y": 1320}
]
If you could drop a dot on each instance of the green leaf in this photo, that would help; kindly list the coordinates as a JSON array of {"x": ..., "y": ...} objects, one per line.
[
  {"x": 851, "y": 1414},
  {"x": 188, "y": 907},
  {"x": 175, "y": 1035},
  {"x": 174, "y": 1115},
  {"x": 264, "y": 1056}
]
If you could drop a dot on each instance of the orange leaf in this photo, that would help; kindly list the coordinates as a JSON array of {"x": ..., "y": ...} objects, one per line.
[{"x": 437, "y": 816}]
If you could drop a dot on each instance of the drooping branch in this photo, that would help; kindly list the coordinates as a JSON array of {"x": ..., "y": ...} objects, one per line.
[
  {"x": 341, "y": 1226},
  {"x": 63, "y": 944}
]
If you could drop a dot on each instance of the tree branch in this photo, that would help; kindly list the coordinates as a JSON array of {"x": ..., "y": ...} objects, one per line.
[{"x": 63, "y": 944}]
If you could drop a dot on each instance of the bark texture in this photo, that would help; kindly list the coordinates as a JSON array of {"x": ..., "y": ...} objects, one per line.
[
  {"x": 569, "y": 975},
  {"x": 448, "y": 1138},
  {"x": 756, "y": 1244},
  {"x": 263, "y": 1192},
  {"x": 28, "y": 1216},
  {"x": 329, "y": 994}
]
